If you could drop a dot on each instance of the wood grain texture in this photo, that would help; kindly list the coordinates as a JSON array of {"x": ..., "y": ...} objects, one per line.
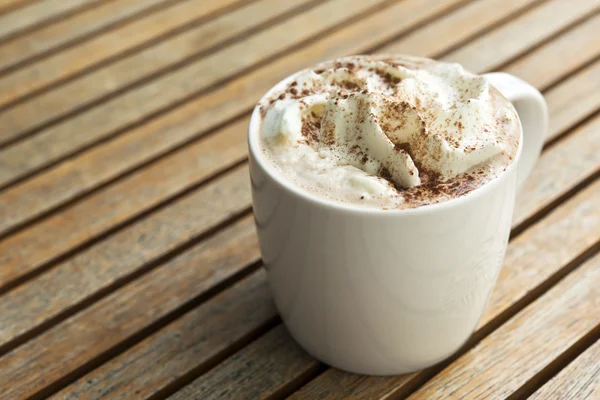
[
  {"x": 574, "y": 99},
  {"x": 263, "y": 369},
  {"x": 124, "y": 253},
  {"x": 139, "y": 66},
  {"x": 84, "y": 55},
  {"x": 25, "y": 251},
  {"x": 201, "y": 75},
  {"x": 559, "y": 170},
  {"x": 461, "y": 25},
  {"x": 534, "y": 257},
  {"x": 37, "y": 13},
  {"x": 162, "y": 134},
  {"x": 202, "y": 336},
  {"x": 574, "y": 48},
  {"x": 29, "y": 249},
  {"x": 11, "y": 5},
  {"x": 5, "y": 5},
  {"x": 66, "y": 31},
  {"x": 534, "y": 338},
  {"x": 515, "y": 37},
  {"x": 579, "y": 380}
]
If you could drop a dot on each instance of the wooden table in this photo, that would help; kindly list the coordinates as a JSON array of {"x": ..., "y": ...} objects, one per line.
[{"x": 129, "y": 266}]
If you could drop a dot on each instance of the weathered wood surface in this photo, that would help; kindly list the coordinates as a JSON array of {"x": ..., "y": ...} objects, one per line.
[
  {"x": 579, "y": 380},
  {"x": 535, "y": 338},
  {"x": 129, "y": 266},
  {"x": 37, "y": 13},
  {"x": 68, "y": 31},
  {"x": 68, "y": 63}
]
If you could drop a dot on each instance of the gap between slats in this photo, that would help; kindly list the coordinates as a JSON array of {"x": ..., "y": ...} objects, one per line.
[
  {"x": 556, "y": 366},
  {"x": 48, "y": 21},
  {"x": 77, "y": 249},
  {"x": 173, "y": 33},
  {"x": 95, "y": 33},
  {"x": 181, "y": 29},
  {"x": 580, "y": 378},
  {"x": 15, "y": 6},
  {"x": 547, "y": 40}
]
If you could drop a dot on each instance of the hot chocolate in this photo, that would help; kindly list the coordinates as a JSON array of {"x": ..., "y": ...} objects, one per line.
[{"x": 388, "y": 132}]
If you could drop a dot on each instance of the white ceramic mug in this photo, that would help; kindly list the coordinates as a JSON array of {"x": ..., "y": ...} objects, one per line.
[{"x": 384, "y": 292}]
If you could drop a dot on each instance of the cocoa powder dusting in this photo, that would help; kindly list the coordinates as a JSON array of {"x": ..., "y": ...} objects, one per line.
[
  {"x": 437, "y": 190},
  {"x": 390, "y": 80},
  {"x": 310, "y": 130},
  {"x": 394, "y": 119}
]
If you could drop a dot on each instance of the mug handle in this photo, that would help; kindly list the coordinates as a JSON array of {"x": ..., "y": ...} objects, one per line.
[{"x": 533, "y": 113}]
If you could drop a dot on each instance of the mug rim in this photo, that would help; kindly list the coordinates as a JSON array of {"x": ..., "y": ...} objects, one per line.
[{"x": 256, "y": 155}]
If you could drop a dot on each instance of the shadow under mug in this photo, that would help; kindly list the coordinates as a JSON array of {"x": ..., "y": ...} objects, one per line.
[{"x": 385, "y": 292}]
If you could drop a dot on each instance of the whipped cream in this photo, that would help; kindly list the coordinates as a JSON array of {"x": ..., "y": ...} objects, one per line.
[{"x": 389, "y": 132}]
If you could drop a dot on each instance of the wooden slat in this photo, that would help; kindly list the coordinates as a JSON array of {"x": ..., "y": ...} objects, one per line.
[
  {"x": 531, "y": 341},
  {"x": 25, "y": 251},
  {"x": 121, "y": 255},
  {"x": 577, "y": 47},
  {"x": 539, "y": 254},
  {"x": 136, "y": 67},
  {"x": 31, "y": 248},
  {"x": 76, "y": 59},
  {"x": 576, "y": 225},
  {"x": 579, "y": 380},
  {"x": 197, "y": 76},
  {"x": 201, "y": 336},
  {"x": 577, "y": 97},
  {"x": 464, "y": 24},
  {"x": 263, "y": 370},
  {"x": 66, "y": 31},
  {"x": 557, "y": 172},
  {"x": 82, "y": 173},
  {"x": 10, "y": 5},
  {"x": 515, "y": 37},
  {"x": 38, "y": 13}
]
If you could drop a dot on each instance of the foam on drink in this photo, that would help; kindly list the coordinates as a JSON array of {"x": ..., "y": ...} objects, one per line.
[{"x": 389, "y": 132}]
